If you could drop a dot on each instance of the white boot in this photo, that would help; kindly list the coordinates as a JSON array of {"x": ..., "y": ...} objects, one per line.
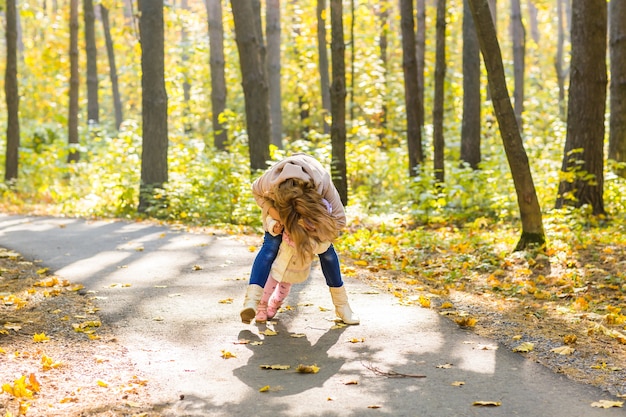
[
  {"x": 342, "y": 308},
  {"x": 250, "y": 302}
]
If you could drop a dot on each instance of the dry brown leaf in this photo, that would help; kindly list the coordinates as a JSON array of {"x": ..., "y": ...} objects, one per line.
[{"x": 487, "y": 403}]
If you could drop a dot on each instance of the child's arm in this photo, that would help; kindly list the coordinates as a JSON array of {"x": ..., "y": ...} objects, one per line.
[{"x": 274, "y": 227}]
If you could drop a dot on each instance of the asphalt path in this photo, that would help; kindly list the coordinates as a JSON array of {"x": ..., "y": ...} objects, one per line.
[{"x": 164, "y": 293}]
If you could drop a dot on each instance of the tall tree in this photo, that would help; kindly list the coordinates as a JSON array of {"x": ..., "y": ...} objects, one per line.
[
  {"x": 518, "y": 35},
  {"x": 185, "y": 47},
  {"x": 440, "y": 75},
  {"x": 617, "y": 122},
  {"x": 382, "y": 12},
  {"x": 322, "y": 51},
  {"x": 411, "y": 96},
  {"x": 154, "y": 164},
  {"x": 530, "y": 211},
  {"x": 248, "y": 34},
  {"x": 272, "y": 29},
  {"x": 117, "y": 101},
  {"x": 338, "y": 102},
  {"x": 420, "y": 55},
  {"x": 89, "y": 17},
  {"x": 558, "y": 58},
  {"x": 11, "y": 94},
  {"x": 72, "y": 136},
  {"x": 470, "y": 126},
  {"x": 583, "y": 157},
  {"x": 218, "y": 79}
]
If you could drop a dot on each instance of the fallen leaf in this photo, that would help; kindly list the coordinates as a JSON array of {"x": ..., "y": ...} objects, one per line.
[
  {"x": 424, "y": 301},
  {"x": 356, "y": 340},
  {"x": 563, "y": 350},
  {"x": 524, "y": 347},
  {"x": 458, "y": 383},
  {"x": 445, "y": 366},
  {"x": 447, "y": 304},
  {"x": 339, "y": 325},
  {"x": 466, "y": 321},
  {"x": 102, "y": 383},
  {"x": 264, "y": 389},
  {"x": 607, "y": 404},
  {"x": 324, "y": 308},
  {"x": 228, "y": 300},
  {"x": 374, "y": 406},
  {"x": 40, "y": 338},
  {"x": 275, "y": 367},
  {"x": 298, "y": 335},
  {"x": 227, "y": 355},
  {"x": 269, "y": 332},
  {"x": 569, "y": 339},
  {"x": 307, "y": 369},
  {"x": 256, "y": 343},
  {"x": 48, "y": 363},
  {"x": 351, "y": 383},
  {"x": 487, "y": 403}
]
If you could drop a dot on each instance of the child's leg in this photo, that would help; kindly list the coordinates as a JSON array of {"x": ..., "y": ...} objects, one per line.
[
  {"x": 259, "y": 274},
  {"x": 261, "y": 314},
  {"x": 276, "y": 300}
]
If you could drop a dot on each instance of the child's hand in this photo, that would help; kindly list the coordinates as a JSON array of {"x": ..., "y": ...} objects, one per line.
[{"x": 278, "y": 228}]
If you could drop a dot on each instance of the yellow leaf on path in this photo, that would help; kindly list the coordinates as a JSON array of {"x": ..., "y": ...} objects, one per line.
[
  {"x": 607, "y": 404},
  {"x": 307, "y": 369},
  {"x": 2, "y": 351},
  {"x": 298, "y": 335},
  {"x": 361, "y": 263},
  {"x": 563, "y": 350},
  {"x": 264, "y": 389},
  {"x": 487, "y": 403},
  {"x": 447, "y": 304},
  {"x": 40, "y": 338},
  {"x": 466, "y": 321},
  {"x": 424, "y": 301},
  {"x": 374, "y": 406},
  {"x": 569, "y": 339},
  {"x": 102, "y": 383},
  {"x": 524, "y": 347},
  {"x": 351, "y": 383},
  {"x": 458, "y": 383},
  {"x": 228, "y": 300},
  {"x": 275, "y": 367},
  {"x": 324, "y": 308},
  {"x": 269, "y": 332},
  {"x": 227, "y": 355},
  {"x": 49, "y": 363},
  {"x": 445, "y": 366},
  {"x": 355, "y": 340},
  {"x": 251, "y": 248},
  {"x": 256, "y": 343}
]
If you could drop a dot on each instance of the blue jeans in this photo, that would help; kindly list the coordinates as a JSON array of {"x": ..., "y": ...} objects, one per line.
[
  {"x": 264, "y": 259},
  {"x": 329, "y": 261}
]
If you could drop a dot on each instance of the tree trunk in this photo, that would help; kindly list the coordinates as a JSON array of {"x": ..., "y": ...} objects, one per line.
[
  {"x": 338, "y": 101},
  {"x": 323, "y": 62},
  {"x": 518, "y": 35},
  {"x": 420, "y": 55},
  {"x": 383, "y": 17},
  {"x": 558, "y": 58},
  {"x": 352, "y": 58},
  {"x": 117, "y": 102},
  {"x": 583, "y": 156},
  {"x": 272, "y": 28},
  {"x": 72, "y": 136},
  {"x": 470, "y": 127},
  {"x": 11, "y": 94},
  {"x": 154, "y": 168},
  {"x": 255, "y": 88},
  {"x": 530, "y": 211},
  {"x": 411, "y": 90},
  {"x": 533, "y": 21},
  {"x": 187, "y": 122},
  {"x": 93, "y": 108},
  {"x": 440, "y": 75},
  {"x": 218, "y": 78},
  {"x": 617, "y": 123}
]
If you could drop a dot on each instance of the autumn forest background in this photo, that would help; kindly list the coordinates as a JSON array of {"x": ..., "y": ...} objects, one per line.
[{"x": 433, "y": 187}]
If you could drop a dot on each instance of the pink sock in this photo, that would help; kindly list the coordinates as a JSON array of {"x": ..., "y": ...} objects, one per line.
[
  {"x": 268, "y": 290},
  {"x": 276, "y": 300}
]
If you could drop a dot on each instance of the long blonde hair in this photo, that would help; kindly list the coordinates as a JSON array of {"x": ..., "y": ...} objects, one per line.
[{"x": 304, "y": 215}]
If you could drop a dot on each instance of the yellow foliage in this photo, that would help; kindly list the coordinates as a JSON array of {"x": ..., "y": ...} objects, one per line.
[
  {"x": 40, "y": 338},
  {"x": 307, "y": 369}
]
